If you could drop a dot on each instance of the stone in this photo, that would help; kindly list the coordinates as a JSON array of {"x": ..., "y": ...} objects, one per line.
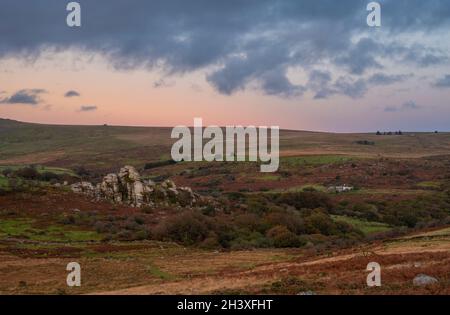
[
  {"x": 127, "y": 187},
  {"x": 424, "y": 280},
  {"x": 84, "y": 188}
]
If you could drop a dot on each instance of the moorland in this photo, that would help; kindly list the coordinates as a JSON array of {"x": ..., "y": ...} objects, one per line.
[{"x": 286, "y": 232}]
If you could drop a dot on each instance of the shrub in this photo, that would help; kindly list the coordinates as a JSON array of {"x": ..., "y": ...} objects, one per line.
[
  {"x": 49, "y": 176},
  {"x": 292, "y": 220},
  {"x": 320, "y": 222},
  {"x": 282, "y": 237},
  {"x": 209, "y": 210},
  {"x": 27, "y": 173},
  {"x": 139, "y": 220},
  {"x": 304, "y": 199},
  {"x": 211, "y": 241},
  {"x": 7, "y": 171},
  {"x": 68, "y": 220},
  {"x": 142, "y": 234},
  {"x": 189, "y": 228},
  {"x": 81, "y": 171},
  {"x": 147, "y": 210}
]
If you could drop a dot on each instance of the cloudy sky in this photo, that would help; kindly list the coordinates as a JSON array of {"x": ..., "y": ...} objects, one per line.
[{"x": 299, "y": 64}]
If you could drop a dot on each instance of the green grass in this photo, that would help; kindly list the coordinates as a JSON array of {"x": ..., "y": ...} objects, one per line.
[
  {"x": 4, "y": 183},
  {"x": 367, "y": 227},
  {"x": 23, "y": 228},
  {"x": 430, "y": 184},
  {"x": 155, "y": 271}
]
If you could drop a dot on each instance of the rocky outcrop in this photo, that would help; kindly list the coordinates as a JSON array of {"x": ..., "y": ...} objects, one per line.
[{"x": 128, "y": 188}]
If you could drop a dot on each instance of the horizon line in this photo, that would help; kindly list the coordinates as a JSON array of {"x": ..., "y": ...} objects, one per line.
[{"x": 159, "y": 126}]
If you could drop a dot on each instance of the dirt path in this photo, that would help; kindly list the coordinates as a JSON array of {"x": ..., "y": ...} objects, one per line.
[{"x": 264, "y": 274}]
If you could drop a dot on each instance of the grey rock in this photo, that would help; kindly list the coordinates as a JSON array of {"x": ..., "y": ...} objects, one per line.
[
  {"x": 423, "y": 280},
  {"x": 128, "y": 188}
]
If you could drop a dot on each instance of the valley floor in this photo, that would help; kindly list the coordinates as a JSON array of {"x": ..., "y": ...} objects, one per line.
[{"x": 163, "y": 268}]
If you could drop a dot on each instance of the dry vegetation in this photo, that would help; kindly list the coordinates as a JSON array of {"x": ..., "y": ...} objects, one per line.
[{"x": 280, "y": 233}]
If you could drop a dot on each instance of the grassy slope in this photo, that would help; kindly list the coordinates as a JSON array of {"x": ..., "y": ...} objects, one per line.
[
  {"x": 104, "y": 147},
  {"x": 23, "y": 228},
  {"x": 366, "y": 227}
]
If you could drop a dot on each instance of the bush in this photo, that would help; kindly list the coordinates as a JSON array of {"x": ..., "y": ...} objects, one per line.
[
  {"x": 209, "y": 210},
  {"x": 139, "y": 220},
  {"x": 147, "y": 210},
  {"x": 7, "y": 171},
  {"x": 49, "y": 176},
  {"x": 282, "y": 237},
  {"x": 189, "y": 228},
  {"x": 292, "y": 220},
  {"x": 81, "y": 171},
  {"x": 304, "y": 199},
  {"x": 322, "y": 223},
  {"x": 27, "y": 173},
  {"x": 68, "y": 220}
]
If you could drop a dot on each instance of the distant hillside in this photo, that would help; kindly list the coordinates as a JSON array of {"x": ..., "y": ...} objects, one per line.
[
  {"x": 9, "y": 122},
  {"x": 109, "y": 147}
]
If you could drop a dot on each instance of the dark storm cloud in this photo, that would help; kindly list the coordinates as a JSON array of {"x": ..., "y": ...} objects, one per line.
[
  {"x": 88, "y": 108},
  {"x": 443, "y": 82},
  {"x": 71, "y": 93},
  {"x": 29, "y": 97},
  {"x": 237, "y": 42}
]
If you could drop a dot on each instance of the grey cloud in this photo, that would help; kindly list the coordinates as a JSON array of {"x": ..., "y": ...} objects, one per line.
[
  {"x": 276, "y": 83},
  {"x": 351, "y": 88},
  {"x": 163, "y": 83},
  {"x": 26, "y": 96},
  {"x": 319, "y": 82},
  {"x": 361, "y": 56},
  {"x": 88, "y": 108},
  {"x": 386, "y": 79},
  {"x": 322, "y": 84},
  {"x": 245, "y": 41},
  {"x": 390, "y": 109},
  {"x": 443, "y": 82},
  {"x": 407, "y": 106},
  {"x": 71, "y": 93},
  {"x": 424, "y": 57}
]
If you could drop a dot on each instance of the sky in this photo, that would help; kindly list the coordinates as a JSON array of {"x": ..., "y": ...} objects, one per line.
[{"x": 298, "y": 64}]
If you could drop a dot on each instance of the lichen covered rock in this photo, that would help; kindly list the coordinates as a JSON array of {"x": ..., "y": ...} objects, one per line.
[{"x": 128, "y": 188}]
